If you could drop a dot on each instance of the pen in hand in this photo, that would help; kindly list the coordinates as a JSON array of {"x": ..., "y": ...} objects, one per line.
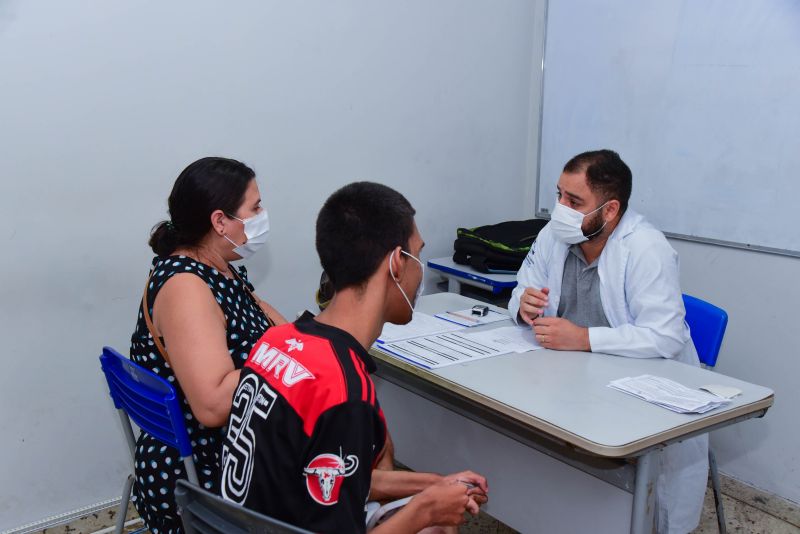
[{"x": 472, "y": 489}]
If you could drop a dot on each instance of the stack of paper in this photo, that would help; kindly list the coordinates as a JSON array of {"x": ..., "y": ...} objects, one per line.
[
  {"x": 668, "y": 394},
  {"x": 430, "y": 342},
  {"x": 449, "y": 348},
  {"x": 440, "y": 350}
]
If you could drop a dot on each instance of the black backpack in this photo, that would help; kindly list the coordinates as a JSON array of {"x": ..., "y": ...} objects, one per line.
[{"x": 498, "y": 247}]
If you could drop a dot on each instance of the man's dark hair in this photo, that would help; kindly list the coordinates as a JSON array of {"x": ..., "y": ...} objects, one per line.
[
  {"x": 606, "y": 174},
  {"x": 357, "y": 227}
]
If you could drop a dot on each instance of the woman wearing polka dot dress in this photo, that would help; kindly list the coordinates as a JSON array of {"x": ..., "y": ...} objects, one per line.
[{"x": 205, "y": 318}]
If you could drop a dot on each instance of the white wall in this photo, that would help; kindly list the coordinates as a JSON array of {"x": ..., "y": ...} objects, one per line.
[
  {"x": 102, "y": 103},
  {"x": 760, "y": 292}
]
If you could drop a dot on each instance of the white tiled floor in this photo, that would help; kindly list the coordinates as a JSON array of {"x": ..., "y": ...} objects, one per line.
[
  {"x": 752, "y": 512},
  {"x": 740, "y": 518}
]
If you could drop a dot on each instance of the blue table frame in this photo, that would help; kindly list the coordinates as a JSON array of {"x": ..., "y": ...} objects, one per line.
[{"x": 463, "y": 274}]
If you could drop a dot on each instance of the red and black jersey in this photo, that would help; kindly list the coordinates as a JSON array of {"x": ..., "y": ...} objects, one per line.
[{"x": 305, "y": 428}]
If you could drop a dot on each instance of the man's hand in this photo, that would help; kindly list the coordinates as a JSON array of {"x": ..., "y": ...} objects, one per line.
[
  {"x": 440, "y": 505},
  {"x": 477, "y": 488},
  {"x": 444, "y": 504},
  {"x": 532, "y": 303},
  {"x": 560, "y": 334}
]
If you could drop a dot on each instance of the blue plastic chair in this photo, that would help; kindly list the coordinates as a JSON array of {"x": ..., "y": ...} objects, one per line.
[
  {"x": 149, "y": 401},
  {"x": 707, "y": 324}
]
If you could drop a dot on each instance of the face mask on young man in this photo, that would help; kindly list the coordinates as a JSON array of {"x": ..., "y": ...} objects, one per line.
[
  {"x": 421, "y": 280},
  {"x": 256, "y": 229},
  {"x": 567, "y": 224}
]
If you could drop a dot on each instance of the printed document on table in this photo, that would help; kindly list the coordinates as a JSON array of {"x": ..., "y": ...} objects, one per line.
[
  {"x": 440, "y": 350},
  {"x": 510, "y": 338},
  {"x": 668, "y": 394},
  {"x": 421, "y": 324}
]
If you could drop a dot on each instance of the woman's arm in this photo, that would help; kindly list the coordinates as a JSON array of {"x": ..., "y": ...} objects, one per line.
[
  {"x": 271, "y": 312},
  {"x": 192, "y": 324}
]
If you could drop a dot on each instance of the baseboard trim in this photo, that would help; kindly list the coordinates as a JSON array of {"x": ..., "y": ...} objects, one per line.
[
  {"x": 66, "y": 518},
  {"x": 769, "y": 503}
]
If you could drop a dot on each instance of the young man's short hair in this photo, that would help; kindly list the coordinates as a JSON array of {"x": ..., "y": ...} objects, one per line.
[
  {"x": 606, "y": 174},
  {"x": 357, "y": 227}
]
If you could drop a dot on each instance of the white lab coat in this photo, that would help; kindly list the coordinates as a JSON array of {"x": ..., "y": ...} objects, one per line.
[{"x": 641, "y": 297}]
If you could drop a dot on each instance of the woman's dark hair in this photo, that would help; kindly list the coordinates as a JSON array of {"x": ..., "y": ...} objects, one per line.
[
  {"x": 206, "y": 185},
  {"x": 357, "y": 227}
]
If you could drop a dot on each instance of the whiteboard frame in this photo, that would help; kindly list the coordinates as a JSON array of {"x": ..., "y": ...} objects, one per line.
[{"x": 545, "y": 214}]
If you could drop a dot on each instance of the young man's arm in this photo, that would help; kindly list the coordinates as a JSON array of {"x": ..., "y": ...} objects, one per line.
[
  {"x": 390, "y": 485},
  {"x": 337, "y": 468},
  {"x": 386, "y": 459}
]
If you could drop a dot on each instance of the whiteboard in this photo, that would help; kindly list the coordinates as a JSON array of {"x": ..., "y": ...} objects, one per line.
[{"x": 701, "y": 99}]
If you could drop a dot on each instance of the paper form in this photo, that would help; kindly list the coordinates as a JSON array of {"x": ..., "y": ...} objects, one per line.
[
  {"x": 421, "y": 324},
  {"x": 510, "y": 338},
  {"x": 433, "y": 352}
]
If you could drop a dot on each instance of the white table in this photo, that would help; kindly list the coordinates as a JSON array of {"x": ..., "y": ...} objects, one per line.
[
  {"x": 457, "y": 274},
  {"x": 561, "y": 450}
]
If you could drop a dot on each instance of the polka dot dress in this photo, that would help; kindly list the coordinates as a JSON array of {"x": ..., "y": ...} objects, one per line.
[{"x": 158, "y": 467}]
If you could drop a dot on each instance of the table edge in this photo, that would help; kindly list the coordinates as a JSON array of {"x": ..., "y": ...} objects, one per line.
[{"x": 626, "y": 450}]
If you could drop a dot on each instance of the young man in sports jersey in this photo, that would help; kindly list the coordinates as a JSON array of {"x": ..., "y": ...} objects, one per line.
[{"x": 306, "y": 430}]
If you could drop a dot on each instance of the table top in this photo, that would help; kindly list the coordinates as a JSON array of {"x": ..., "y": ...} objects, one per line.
[
  {"x": 565, "y": 394},
  {"x": 447, "y": 266}
]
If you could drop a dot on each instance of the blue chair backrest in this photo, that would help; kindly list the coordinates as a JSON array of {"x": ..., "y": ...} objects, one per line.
[
  {"x": 148, "y": 399},
  {"x": 707, "y": 324}
]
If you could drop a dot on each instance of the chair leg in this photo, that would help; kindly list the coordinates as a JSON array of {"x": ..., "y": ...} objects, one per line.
[
  {"x": 191, "y": 472},
  {"x": 122, "y": 512},
  {"x": 712, "y": 464}
]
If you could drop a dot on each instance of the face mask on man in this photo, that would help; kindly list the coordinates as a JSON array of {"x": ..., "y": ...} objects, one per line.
[
  {"x": 256, "y": 229},
  {"x": 421, "y": 280},
  {"x": 566, "y": 224}
]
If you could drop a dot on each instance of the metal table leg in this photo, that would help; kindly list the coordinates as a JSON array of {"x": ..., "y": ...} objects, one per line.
[
  {"x": 643, "y": 516},
  {"x": 453, "y": 285}
]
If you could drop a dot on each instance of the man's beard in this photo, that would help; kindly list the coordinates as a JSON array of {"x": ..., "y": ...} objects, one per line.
[{"x": 595, "y": 229}]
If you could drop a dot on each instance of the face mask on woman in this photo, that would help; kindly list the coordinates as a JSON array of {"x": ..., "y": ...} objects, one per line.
[
  {"x": 566, "y": 224},
  {"x": 256, "y": 229}
]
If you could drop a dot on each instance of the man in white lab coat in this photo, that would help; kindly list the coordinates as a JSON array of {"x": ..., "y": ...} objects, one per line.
[{"x": 600, "y": 278}]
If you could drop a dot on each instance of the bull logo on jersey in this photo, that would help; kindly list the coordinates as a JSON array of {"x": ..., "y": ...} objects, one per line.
[{"x": 325, "y": 475}]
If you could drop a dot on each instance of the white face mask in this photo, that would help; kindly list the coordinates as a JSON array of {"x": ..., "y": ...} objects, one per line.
[
  {"x": 256, "y": 229},
  {"x": 566, "y": 224},
  {"x": 421, "y": 286}
]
